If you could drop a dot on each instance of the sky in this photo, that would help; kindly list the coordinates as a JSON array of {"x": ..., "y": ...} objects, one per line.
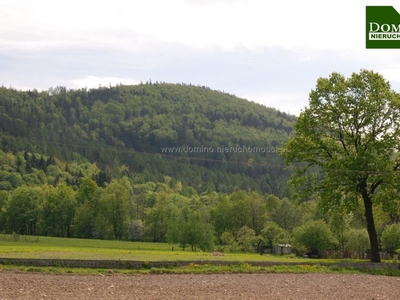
[{"x": 269, "y": 52}]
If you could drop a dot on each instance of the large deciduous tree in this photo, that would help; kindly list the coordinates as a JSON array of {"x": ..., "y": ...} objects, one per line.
[
  {"x": 346, "y": 144},
  {"x": 58, "y": 211},
  {"x": 23, "y": 210},
  {"x": 114, "y": 202}
]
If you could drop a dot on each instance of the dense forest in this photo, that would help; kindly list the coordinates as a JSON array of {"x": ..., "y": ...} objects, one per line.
[
  {"x": 132, "y": 126},
  {"x": 103, "y": 163}
]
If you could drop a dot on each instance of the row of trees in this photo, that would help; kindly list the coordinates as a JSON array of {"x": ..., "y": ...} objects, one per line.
[{"x": 171, "y": 212}]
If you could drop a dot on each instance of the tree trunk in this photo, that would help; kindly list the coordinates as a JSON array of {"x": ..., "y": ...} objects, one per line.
[{"x": 373, "y": 237}]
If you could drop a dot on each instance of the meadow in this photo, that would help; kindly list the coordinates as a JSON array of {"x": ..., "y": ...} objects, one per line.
[
  {"x": 13, "y": 246},
  {"x": 42, "y": 247}
]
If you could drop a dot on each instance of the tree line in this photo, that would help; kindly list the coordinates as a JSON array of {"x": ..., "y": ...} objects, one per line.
[{"x": 177, "y": 214}]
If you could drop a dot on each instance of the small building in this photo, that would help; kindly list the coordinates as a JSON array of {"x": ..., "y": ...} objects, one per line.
[
  {"x": 282, "y": 249},
  {"x": 277, "y": 249}
]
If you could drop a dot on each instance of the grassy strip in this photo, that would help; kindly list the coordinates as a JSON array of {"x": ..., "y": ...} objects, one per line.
[
  {"x": 34, "y": 247},
  {"x": 88, "y": 249},
  {"x": 208, "y": 269},
  {"x": 71, "y": 248}
]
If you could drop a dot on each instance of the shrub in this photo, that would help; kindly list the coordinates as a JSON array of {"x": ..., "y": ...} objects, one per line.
[
  {"x": 391, "y": 237},
  {"x": 315, "y": 236},
  {"x": 357, "y": 240}
]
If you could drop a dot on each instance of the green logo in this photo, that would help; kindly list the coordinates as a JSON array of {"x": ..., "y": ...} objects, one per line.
[{"x": 382, "y": 27}]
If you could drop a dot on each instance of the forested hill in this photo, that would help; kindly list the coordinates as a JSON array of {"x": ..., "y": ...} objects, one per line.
[{"x": 126, "y": 131}]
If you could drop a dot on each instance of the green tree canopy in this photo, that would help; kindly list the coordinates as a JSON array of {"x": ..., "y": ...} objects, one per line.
[
  {"x": 144, "y": 121},
  {"x": 58, "y": 211},
  {"x": 246, "y": 237},
  {"x": 273, "y": 234},
  {"x": 23, "y": 210},
  {"x": 346, "y": 144},
  {"x": 357, "y": 241},
  {"x": 315, "y": 236},
  {"x": 391, "y": 237}
]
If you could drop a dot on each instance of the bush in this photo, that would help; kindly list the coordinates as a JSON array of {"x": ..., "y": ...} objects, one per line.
[
  {"x": 229, "y": 240},
  {"x": 315, "y": 236},
  {"x": 357, "y": 241},
  {"x": 391, "y": 237},
  {"x": 273, "y": 234},
  {"x": 135, "y": 230},
  {"x": 246, "y": 238}
]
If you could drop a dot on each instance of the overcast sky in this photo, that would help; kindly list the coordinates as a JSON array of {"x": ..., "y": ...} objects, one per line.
[{"x": 271, "y": 52}]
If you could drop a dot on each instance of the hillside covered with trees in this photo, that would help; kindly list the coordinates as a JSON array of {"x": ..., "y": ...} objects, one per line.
[{"x": 131, "y": 128}]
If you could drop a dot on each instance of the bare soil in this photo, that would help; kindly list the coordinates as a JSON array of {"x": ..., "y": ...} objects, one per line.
[{"x": 26, "y": 285}]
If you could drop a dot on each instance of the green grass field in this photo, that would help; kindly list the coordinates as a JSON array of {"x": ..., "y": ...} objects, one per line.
[
  {"x": 85, "y": 249},
  {"x": 66, "y": 248}
]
